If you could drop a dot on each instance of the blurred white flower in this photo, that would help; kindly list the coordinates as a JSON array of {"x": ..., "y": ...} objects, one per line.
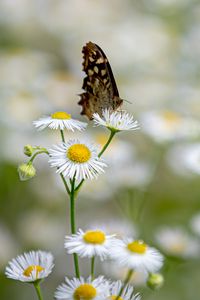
[
  {"x": 184, "y": 159},
  {"x": 132, "y": 174},
  {"x": 195, "y": 224},
  {"x": 50, "y": 231},
  {"x": 112, "y": 270},
  {"x": 21, "y": 68},
  {"x": 166, "y": 126},
  {"x": 120, "y": 152},
  {"x": 30, "y": 266},
  {"x": 8, "y": 245},
  {"x": 177, "y": 242}
]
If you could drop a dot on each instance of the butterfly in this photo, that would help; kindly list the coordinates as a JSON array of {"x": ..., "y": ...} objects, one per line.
[{"x": 99, "y": 84}]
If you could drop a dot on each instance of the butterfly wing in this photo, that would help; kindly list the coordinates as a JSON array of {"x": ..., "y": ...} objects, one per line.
[{"x": 99, "y": 84}]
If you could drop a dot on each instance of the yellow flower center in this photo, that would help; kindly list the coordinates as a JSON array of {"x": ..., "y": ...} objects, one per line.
[
  {"x": 32, "y": 268},
  {"x": 61, "y": 115},
  {"x": 114, "y": 297},
  {"x": 94, "y": 237},
  {"x": 171, "y": 117},
  {"x": 138, "y": 247},
  {"x": 79, "y": 153},
  {"x": 85, "y": 292}
]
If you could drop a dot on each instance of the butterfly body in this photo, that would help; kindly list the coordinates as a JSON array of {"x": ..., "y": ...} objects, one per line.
[{"x": 99, "y": 84}]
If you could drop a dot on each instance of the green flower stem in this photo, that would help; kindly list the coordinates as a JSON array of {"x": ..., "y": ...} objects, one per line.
[
  {"x": 92, "y": 267},
  {"x": 126, "y": 281},
  {"x": 65, "y": 184},
  {"x": 73, "y": 224},
  {"x": 62, "y": 136},
  {"x": 79, "y": 186},
  {"x": 38, "y": 290},
  {"x": 112, "y": 133},
  {"x": 43, "y": 150}
]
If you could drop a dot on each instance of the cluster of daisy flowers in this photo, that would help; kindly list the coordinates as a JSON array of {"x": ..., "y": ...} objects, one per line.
[
  {"x": 76, "y": 157},
  {"x": 34, "y": 266},
  {"x": 77, "y": 160}
]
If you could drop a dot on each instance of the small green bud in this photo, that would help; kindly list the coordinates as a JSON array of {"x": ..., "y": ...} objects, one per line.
[
  {"x": 26, "y": 171},
  {"x": 155, "y": 281},
  {"x": 28, "y": 150}
]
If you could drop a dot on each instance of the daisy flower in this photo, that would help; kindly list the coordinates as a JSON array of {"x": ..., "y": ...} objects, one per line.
[
  {"x": 59, "y": 120},
  {"x": 127, "y": 293},
  {"x": 115, "y": 120},
  {"x": 168, "y": 126},
  {"x": 78, "y": 159},
  {"x": 177, "y": 242},
  {"x": 76, "y": 289},
  {"x": 136, "y": 255},
  {"x": 90, "y": 243},
  {"x": 30, "y": 266}
]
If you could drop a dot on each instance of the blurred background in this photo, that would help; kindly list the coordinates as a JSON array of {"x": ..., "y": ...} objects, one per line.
[{"x": 151, "y": 189}]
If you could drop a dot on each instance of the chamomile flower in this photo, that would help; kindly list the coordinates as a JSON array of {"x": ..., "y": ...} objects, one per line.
[
  {"x": 30, "y": 266},
  {"x": 127, "y": 293},
  {"x": 59, "y": 120},
  {"x": 75, "y": 289},
  {"x": 137, "y": 255},
  {"x": 90, "y": 243},
  {"x": 168, "y": 126},
  {"x": 115, "y": 120},
  {"x": 78, "y": 159},
  {"x": 177, "y": 242}
]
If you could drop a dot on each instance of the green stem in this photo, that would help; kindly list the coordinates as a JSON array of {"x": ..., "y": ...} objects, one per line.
[
  {"x": 112, "y": 133},
  {"x": 92, "y": 267},
  {"x": 38, "y": 290},
  {"x": 99, "y": 155},
  {"x": 73, "y": 224},
  {"x": 126, "y": 281},
  {"x": 62, "y": 136},
  {"x": 65, "y": 183},
  {"x": 36, "y": 153},
  {"x": 79, "y": 185}
]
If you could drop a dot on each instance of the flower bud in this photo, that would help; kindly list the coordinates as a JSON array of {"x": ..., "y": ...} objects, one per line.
[
  {"x": 26, "y": 171},
  {"x": 155, "y": 281},
  {"x": 28, "y": 150}
]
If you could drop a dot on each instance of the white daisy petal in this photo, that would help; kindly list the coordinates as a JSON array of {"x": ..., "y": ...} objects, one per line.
[
  {"x": 78, "y": 159},
  {"x": 30, "y": 266},
  {"x": 59, "y": 120},
  {"x": 97, "y": 289},
  {"x": 90, "y": 243},
  {"x": 115, "y": 120},
  {"x": 127, "y": 293},
  {"x": 137, "y": 255}
]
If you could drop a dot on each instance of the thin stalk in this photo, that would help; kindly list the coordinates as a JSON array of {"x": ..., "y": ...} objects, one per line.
[
  {"x": 38, "y": 291},
  {"x": 112, "y": 133},
  {"x": 92, "y": 267},
  {"x": 73, "y": 224},
  {"x": 126, "y": 281},
  {"x": 65, "y": 183},
  {"x": 36, "y": 153},
  {"x": 62, "y": 136}
]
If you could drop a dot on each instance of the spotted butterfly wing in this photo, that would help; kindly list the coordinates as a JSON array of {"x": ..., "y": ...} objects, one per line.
[{"x": 99, "y": 84}]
